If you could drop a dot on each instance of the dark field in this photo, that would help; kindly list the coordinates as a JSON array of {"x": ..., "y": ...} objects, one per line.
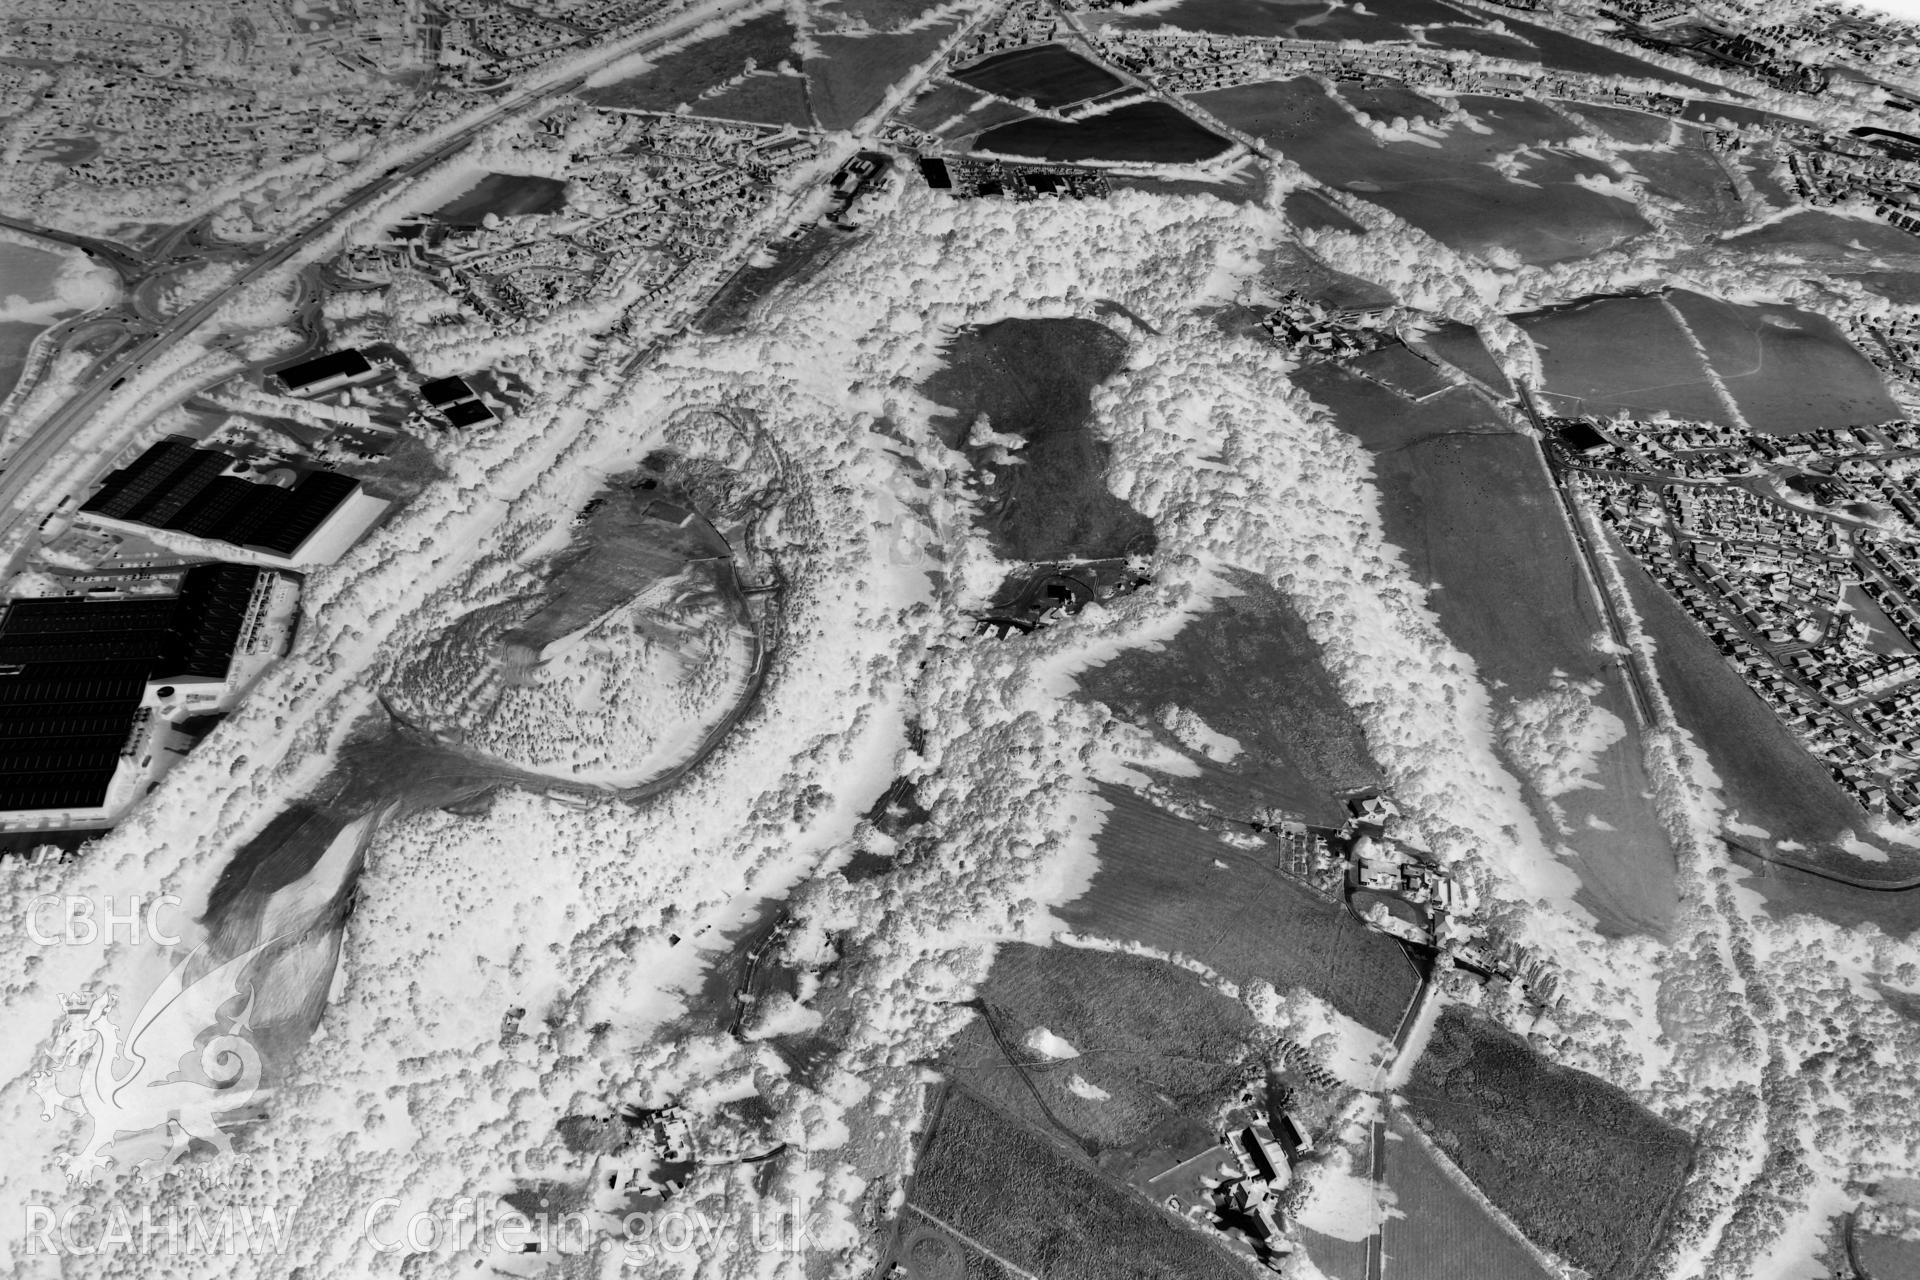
[
  {"x": 1896, "y": 286},
  {"x": 1816, "y": 233},
  {"x": 1441, "y": 1232},
  {"x": 1248, "y": 668},
  {"x": 1146, "y": 133},
  {"x": 1302, "y": 19},
  {"x": 1788, "y": 370},
  {"x": 1702, "y": 112},
  {"x": 1888, "y": 1256},
  {"x": 763, "y": 98},
  {"x": 1620, "y": 353},
  {"x": 1384, "y": 102},
  {"x": 1631, "y": 127},
  {"x": 853, "y": 73},
  {"x": 1032, "y": 378},
  {"x": 1401, "y": 371},
  {"x": 1046, "y": 1213},
  {"x": 1580, "y": 1167},
  {"x": 1767, "y": 778},
  {"x": 1689, "y": 174},
  {"x": 1448, "y": 192},
  {"x": 1169, "y": 1049},
  {"x": 683, "y": 76},
  {"x": 510, "y": 195},
  {"x": 1469, "y": 505},
  {"x": 1314, "y": 212},
  {"x": 1568, "y": 53},
  {"x": 1460, "y": 346},
  {"x": 1050, "y": 75},
  {"x": 792, "y": 260},
  {"x": 1158, "y": 884},
  {"x": 1479, "y": 41},
  {"x": 940, "y": 103}
]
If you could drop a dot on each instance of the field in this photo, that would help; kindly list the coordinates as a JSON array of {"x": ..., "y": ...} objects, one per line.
[
  {"x": 1248, "y": 669},
  {"x": 1478, "y": 41},
  {"x": 1032, "y": 379},
  {"x": 1440, "y": 1232},
  {"x": 1768, "y": 779},
  {"x": 1887, "y": 1256},
  {"x": 1401, "y": 371},
  {"x": 1569, "y": 53},
  {"x": 853, "y": 73},
  {"x": 1385, "y": 102},
  {"x": 1049, "y": 74},
  {"x": 1168, "y": 1050},
  {"x": 1024, "y": 1199},
  {"x": 1815, "y": 232},
  {"x": 1896, "y": 286},
  {"x": 1302, "y": 19},
  {"x": 1611, "y": 354},
  {"x": 1145, "y": 132},
  {"x": 1636, "y": 128},
  {"x": 1579, "y": 1166},
  {"x": 1688, "y": 173},
  {"x": 1472, "y": 509},
  {"x": 1314, "y": 212},
  {"x": 1449, "y": 190},
  {"x": 1173, "y": 885},
  {"x": 1788, "y": 370},
  {"x": 683, "y": 76},
  {"x": 507, "y": 194},
  {"x": 763, "y": 98},
  {"x": 1460, "y": 346},
  {"x": 792, "y": 260}
]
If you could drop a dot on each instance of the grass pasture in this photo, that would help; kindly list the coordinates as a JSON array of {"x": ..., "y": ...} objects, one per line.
[
  {"x": 1032, "y": 378},
  {"x": 1401, "y": 371},
  {"x": 1312, "y": 211},
  {"x": 1384, "y": 102},
  {"x": 1460, "y": 346},
  {"x": 762, "y": 98},
  {"x": 1817, "y": 233},
  {"x": 1578, "y": 1165},
  {"x": 1440, "y": 1232},
  {"x": 511, "y": 195},
  {"x": 1476, "y": 40},
  {"x": 1250, "y": 670},
  {"x": 853, "y": 73},
  {"x": 1768, "y": 780},
  {"x": 1143, "y": 133},
  {"x": 1050, "y": 74},
  {"x": 1450, "y": 191},
  {"x": 1620, "y": 353},
  {"x": 684, "y": 75},
  {"x": 1168, "y": 1050},
  {"x": 1788, "y": 370},
  {"x": 1299, "y": 19},
  {"x": 1174, "y": 886},
  {"x": 1635, "y": 128},
  {"x": 1026, "y": 1200},
  {"x": 1469, "y": 505}
]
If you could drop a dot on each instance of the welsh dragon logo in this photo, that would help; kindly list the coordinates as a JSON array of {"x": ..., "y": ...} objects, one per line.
[{"x": 137, "y": 1079}]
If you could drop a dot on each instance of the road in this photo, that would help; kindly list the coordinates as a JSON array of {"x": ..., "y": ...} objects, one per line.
[{"x": 27, "y": 463}]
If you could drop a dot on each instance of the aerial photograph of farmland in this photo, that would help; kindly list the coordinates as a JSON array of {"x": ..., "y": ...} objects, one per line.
[{"x": 960, "y": 639}]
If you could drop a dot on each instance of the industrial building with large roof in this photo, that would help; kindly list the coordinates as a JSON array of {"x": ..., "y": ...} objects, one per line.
[
  {"x": 176, "y": 487},
  {"x": 79, "y": 677}
]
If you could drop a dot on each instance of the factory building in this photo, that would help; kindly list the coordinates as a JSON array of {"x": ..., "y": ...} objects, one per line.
[
  {"x": 92, "y": 690},
  {"x": 283, "y": 518}
]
